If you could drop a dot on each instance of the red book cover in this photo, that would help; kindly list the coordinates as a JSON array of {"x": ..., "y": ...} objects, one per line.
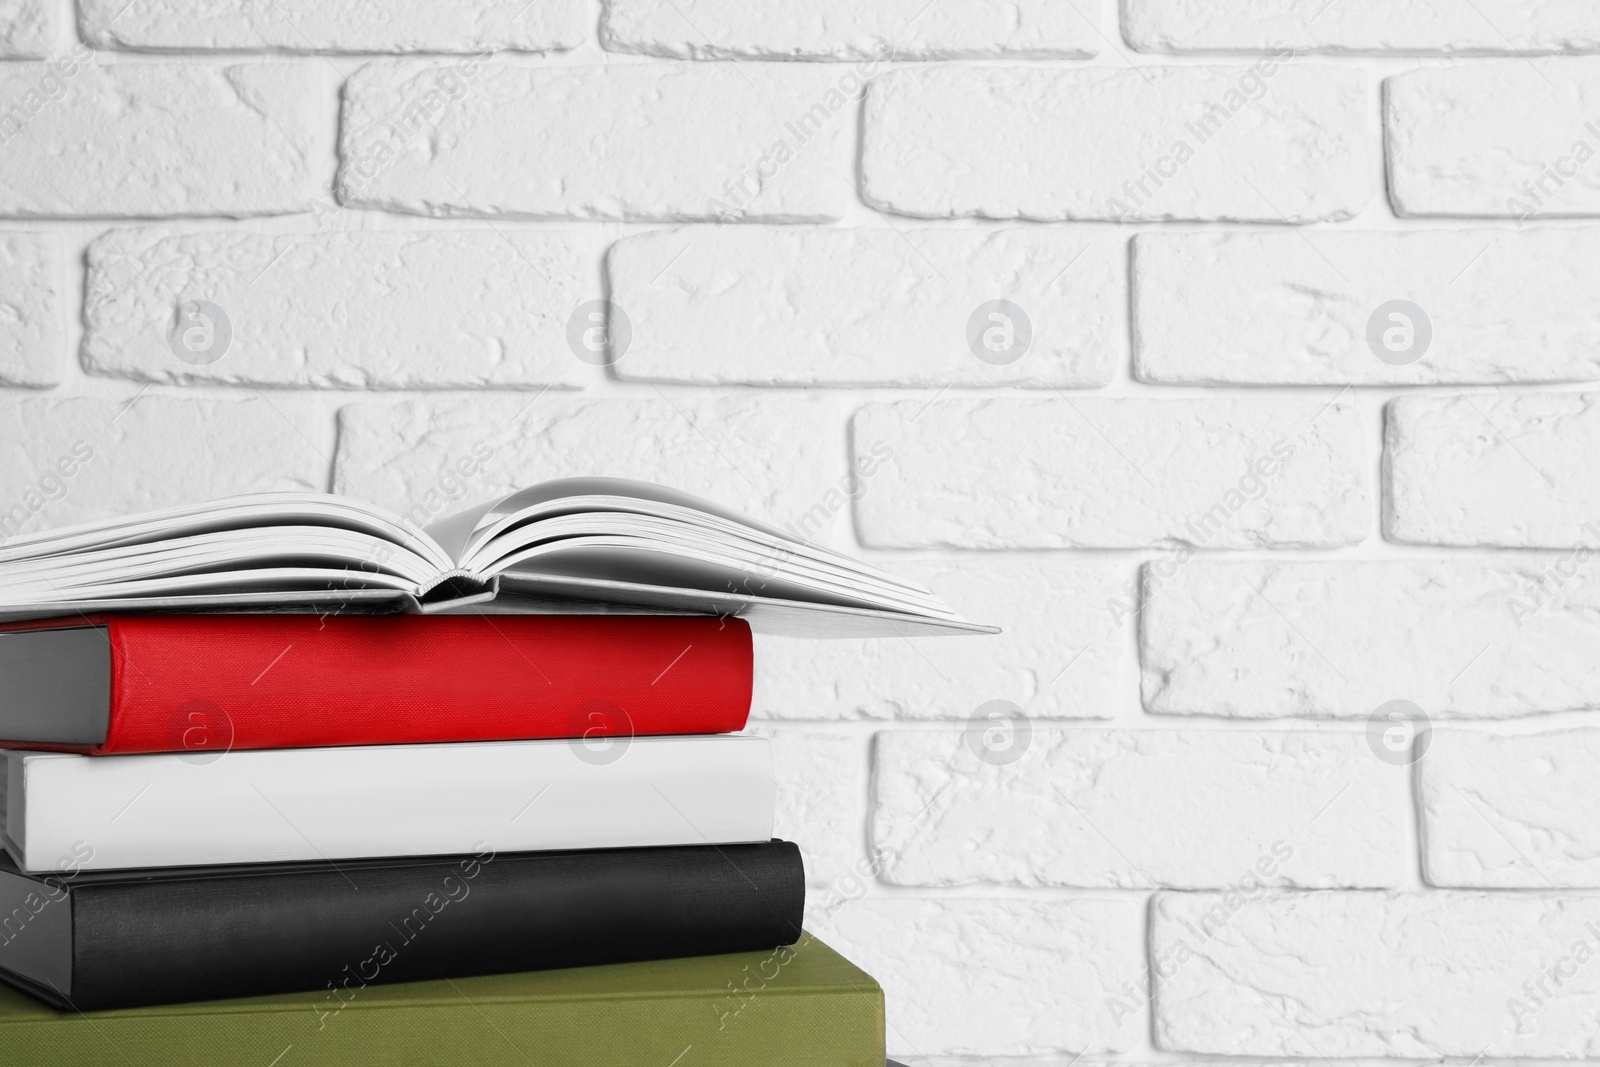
[{"x": 215, "y": 682}]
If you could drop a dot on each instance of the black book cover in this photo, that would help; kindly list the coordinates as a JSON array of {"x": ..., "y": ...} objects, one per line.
[{"x": 113, "y": 939}]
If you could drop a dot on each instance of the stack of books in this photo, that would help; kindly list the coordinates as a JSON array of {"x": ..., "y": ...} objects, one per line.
[{"x": 290, "y": 781}]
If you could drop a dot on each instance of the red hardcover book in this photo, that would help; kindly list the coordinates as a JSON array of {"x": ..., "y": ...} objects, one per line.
[{"x": 206, "y": 683}]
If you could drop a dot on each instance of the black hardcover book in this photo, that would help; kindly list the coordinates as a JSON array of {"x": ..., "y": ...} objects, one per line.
[{"x": 114, "y": 939}]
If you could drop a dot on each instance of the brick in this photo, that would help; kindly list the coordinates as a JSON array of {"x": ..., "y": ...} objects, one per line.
[
  {"x": 1405, "y": 975},
  {"x": 361, "y": 309},
  {"x": 1510, "y": 470},
  {"x": 1473, "y": 27},
  {"x": 902, "y": 29},
  {"x": 308, "y": 26},
  {"x": 32, "y": 316},
  {"x": 769, "y": 458},
  {"x": 1461, "y": 638},
  {"x": 1274, "y": 308},
  {"x": 667, "y": 142},
  {"x": 1511, "y": 139},
  {"x": 1121, "y": 473},
  {"x": 867, "y": 307},
  {"x": 156, "y": 139},
  {"x": 1137, "y": 809},
  {"x": 1510, "y": 812},
  {"x": 66, "y": 460},
  {"x": 1059, "y": 656},
  {"x": 28, "y": 29},
  {"x": 1267, "y": 142},
  {"x": 822, "y": 801},
  {"x": 1046, "y": 967}
]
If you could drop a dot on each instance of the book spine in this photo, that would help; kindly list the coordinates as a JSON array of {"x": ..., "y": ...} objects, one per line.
[
  {"x": 334, "y": 932},
  {"x": 216, "y": 682},
  {"x": 173, "y": 810}
]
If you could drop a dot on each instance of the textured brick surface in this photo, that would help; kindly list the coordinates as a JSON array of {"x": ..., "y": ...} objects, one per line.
[
  {"x": 168, "y": 138},
  {"x": 822, "y": 800},
  {"x": 1507, "y": 27},
  {"x": 1414, "y": 975},
  {"x": 1513, "y": 470},
  {"x": 903, "y": 29},
  {"x": 66, "y": 460},
  {"x": 32, "y": 315},
  {"x": 1140, "y": 809},
  {"x": 1512, "y": 139},
  {"x": 1114, "y": 473},
  {"x": 1059, "y": 656},
  {"x": 1220, "y": 142},
  {"x": 1080, "y": 951},
  {"x": 1271, "y": 308},
  {"x": 770, "y": 306},
  {"x": 770, "y": 458},
  {"x": 309, "y": 26},
  {"x": 670, "y": 141},
  {"x": 28, "y": 29},
  {"x": 363, "y": 310},
  {"x": 1465, "y": 638},
  {"x": 1510, "y": 812}
]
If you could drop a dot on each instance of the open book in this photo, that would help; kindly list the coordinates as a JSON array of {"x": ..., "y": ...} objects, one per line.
[{"x": 573, "y": 545}]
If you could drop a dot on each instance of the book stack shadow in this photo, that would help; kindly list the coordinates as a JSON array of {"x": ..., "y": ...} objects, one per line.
[{"x": 310, "y": 838}]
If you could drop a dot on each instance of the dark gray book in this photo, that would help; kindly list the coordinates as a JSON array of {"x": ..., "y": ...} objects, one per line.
[{"x": 114, "y": 939}]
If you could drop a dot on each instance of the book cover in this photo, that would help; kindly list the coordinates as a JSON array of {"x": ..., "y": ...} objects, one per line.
[
  {"x": 99, "y": 939},
  {"x": 264, "y": 806},
  {"x": 206, "y": 683},
  {"x": 796, "y": 1006}
]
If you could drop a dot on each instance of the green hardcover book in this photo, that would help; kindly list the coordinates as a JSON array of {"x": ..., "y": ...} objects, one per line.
[{"x": 799, "y": 1006}]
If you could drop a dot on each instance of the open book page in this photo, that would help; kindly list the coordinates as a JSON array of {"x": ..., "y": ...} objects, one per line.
[
  {"x": 460, "y": 534},
  {"x": 262, "y": 542},
  {"x": 584, "y": 544},
  {"x": 610, "y": 530}
]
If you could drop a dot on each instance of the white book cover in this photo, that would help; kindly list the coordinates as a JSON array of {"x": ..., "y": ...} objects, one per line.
[{"x": 68, "y": 812}]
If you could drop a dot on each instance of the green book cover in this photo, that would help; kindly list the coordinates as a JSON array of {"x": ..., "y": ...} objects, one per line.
[{"x": 799, "y": 1006}]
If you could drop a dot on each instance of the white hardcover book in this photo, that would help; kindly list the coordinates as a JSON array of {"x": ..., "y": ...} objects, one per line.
[
  {"x": 574, "y": 544},
  {"x": 65, "y": 813}
]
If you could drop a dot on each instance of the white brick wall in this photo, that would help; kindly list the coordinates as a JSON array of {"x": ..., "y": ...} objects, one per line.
[
  {"x": 1263, "y": 141},
  {"x": 1410, "y": 975},
  {"x": 86, "y": 138},
  {"x": 1237, "y": 358},
  {"x": 1503, "y": 27},
  {"x": 358, "y": 309},
  {"x": 311, "y": 26},
  {"x": 1065, "y": 472},
  {"x": 33, "y": 308},
  {"x": 1268, "y": 307},
  {"x": 1509, "y": 812},
  {"x": 1462, "y": 141},
  {"x": 768, "y": 306}
]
